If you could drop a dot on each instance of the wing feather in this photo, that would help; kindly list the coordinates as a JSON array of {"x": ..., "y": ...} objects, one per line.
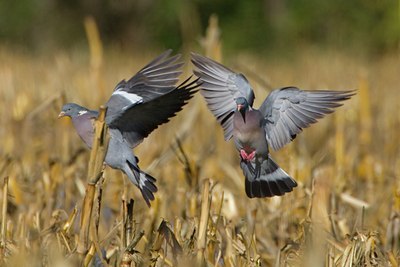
[
  {"x": 220, "y": 87},
  {"x": 288, "y": 110},
  {"x": 157, "y": 77},
  {"x": 139, "y": 120}
]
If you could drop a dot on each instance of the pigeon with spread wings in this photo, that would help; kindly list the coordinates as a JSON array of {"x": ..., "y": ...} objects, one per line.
[
  {"x": 282, "y": 115},
  {"x": 136, "y": 108}
]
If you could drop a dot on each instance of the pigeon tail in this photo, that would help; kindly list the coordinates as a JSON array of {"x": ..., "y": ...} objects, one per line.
[
  {"x": 266, "y": 179},
  {"x": 144, "y": 181}
]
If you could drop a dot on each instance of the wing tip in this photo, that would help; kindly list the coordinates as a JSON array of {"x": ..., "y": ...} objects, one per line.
[
  {"x": 204, "y": 62},
  {"x": 190, "y": 85},
  {"x": 167, "y": 54},
  {"x": 165, "y": 58}
]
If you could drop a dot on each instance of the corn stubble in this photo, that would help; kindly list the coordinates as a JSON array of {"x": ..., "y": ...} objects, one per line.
[{"x": 60, "y": 207}]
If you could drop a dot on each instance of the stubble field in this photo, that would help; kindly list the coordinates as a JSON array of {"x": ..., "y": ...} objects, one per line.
[{"x": 345, "y": 211}]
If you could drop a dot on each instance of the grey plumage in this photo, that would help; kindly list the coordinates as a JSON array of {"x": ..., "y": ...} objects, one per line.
[
  {"x": 220, "y": 86},
  {"x": 136, "y": 108},
  {"x": 152, "y": 113},
  {"x": 289, "y": 110},
  {"x": 282, "y": 115}
]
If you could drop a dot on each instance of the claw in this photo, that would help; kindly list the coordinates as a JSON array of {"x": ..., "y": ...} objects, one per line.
[
  {"x": 243, "y": 154},
  {"x": 251, "y": 155},
  {"x": 247, "y": 157}
]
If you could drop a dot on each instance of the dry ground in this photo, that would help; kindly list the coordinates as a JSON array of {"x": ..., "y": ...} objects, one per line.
[{"x": 345, "y": 211}]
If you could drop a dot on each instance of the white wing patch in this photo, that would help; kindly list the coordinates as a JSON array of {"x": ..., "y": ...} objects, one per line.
[
  {"x": 142, "y": 179},
  {"x": 133, "y": 98}
]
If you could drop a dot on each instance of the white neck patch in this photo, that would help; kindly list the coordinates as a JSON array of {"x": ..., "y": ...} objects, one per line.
[
  {"x": 80, "y": 113},
  {"x": 133, "y": 98}
]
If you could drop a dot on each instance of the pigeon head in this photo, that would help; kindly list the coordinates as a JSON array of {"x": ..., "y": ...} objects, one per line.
[
  {"x": 241, "y": 103},
  {"x": 242, "y": 106},
  {"x": 72, "y": 110}
]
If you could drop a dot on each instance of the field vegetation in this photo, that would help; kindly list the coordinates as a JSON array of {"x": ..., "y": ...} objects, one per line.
[{"x": 345, "y": 211}]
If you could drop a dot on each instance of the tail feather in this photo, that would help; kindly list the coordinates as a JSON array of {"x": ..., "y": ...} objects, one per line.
[
  {"x": 266, "y": 180},
  {"x": 144, "y": 181}
]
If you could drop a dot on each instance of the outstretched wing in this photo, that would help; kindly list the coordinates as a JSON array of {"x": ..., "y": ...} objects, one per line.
[
  {"x": 156, "y": 78},
  {"x": 140, "y": 119},
  {"x": 288, "y": 110},
  {"x": 160, "y": 74},
  {"x": 219, "y": 87}
]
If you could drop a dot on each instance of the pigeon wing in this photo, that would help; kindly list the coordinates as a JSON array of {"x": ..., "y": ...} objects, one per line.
[
  {"x": 160, "y": 74},
  {"x": 155, "y": 79},
  {"x": 219, "y": 87},
  {"x": 288, "y": 110},
  {"x": 138, "y": 120}
]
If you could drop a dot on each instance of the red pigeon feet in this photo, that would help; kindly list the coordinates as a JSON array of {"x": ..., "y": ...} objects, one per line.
[{"x": 247, "y": 157}]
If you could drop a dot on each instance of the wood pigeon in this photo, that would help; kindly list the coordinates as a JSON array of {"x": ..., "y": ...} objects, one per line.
[
  {"x": 282, "y": 115},
  {"x": 135, "y": 108}
]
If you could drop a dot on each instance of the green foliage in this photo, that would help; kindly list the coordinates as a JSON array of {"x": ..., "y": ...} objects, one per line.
[
  {"x": 259, "y": 25},
  {"x": 16, "y": 18}
]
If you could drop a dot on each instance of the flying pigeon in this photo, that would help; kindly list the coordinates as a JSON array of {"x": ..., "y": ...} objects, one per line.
[
  {"x": 282, "y": 115},
  {"x": 136, "y": 108}
]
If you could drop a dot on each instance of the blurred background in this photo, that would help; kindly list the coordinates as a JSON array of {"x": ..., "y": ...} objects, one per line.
[
  {"x": 259, "y": 26},
  {"x": 346, "y": 209}
]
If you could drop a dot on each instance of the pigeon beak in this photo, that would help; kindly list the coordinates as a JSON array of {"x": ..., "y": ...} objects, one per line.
[
  {"x": 243, "y": 112},
  {"x": 62, "y": 114}
]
